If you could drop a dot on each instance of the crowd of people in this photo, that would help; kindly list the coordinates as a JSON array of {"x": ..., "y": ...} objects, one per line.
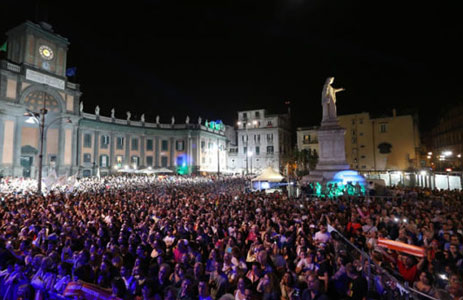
[{"x": 144, "y": 237}]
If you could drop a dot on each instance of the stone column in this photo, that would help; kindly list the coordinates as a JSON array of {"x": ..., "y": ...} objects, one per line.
[
  {"x": 60, "y": 158},
  {"x": 112, "y": 159},
  {"x": 171, "y": 152},
  {"x": 142, "y": 150},
  {"x": 78, "y": 148},
  {"x": 17, "y": 169},
  {"x": 196, "y": 153},
  {"x": 2, "y": 130},
  {"x": 127, "y": 150},
  {"x": 188, "y": 149},
  {"x": 96, "y": 152},
  {"x": 156, "y": 152}
]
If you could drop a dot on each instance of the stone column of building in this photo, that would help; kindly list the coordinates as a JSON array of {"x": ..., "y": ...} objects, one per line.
[
  {"x": 171, "y": 152},
  {"x": 17, "y": 169},
  {"x": 2, "y": 130},
  {"x": 188, "y": 151},
  {"x": 96, "y": 152},
  {"x": 142, "y": 150},
  {"x": 127, "y": 149},
  {"x": 156, "y": 151},
  {"x": 112, "y": 159},
  {"x": 60, "y": 159},
  {"x": 77, "y": 150},
  {"x": 196, "y": 153}
]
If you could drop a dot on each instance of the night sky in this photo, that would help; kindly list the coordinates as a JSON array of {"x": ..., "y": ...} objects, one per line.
[{"x": 213, "y": 58}]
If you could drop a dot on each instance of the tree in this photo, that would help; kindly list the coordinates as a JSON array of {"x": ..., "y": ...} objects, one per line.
[{"x": 313, "y": 159}]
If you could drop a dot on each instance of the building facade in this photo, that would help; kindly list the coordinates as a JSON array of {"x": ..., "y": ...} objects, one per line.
[
  {"x": 445, "y": 146},
  {"x": 374, "y": 144},
  {"x": 34, "y": 90},
  {"x": 262, "y": 140},
  {"x": 307, "y": 139},
  {"x": 385, "y": 143}
]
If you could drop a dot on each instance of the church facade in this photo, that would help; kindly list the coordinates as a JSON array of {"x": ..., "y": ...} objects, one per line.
[{"x": 39, "y": 104}]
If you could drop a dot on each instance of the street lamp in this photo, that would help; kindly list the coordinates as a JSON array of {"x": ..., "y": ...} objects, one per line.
[{"x": 39, "y": 119}]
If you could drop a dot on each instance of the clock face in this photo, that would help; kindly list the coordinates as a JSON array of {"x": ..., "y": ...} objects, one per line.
[{"x": 46, "y": 52}]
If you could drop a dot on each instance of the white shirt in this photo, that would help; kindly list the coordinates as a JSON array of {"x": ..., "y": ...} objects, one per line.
[{"x": 322, "y": 237}]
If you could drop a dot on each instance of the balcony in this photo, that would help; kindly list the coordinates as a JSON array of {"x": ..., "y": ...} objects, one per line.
[{"x": 311, "y": 142}]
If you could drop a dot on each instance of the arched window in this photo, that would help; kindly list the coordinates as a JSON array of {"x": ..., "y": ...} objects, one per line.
[{"x": 34, "y": 101}]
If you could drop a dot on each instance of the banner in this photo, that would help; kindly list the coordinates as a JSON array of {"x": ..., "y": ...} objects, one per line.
[
  {"x": 87, "y": 291},
  {"x": 402, "y": 247}
]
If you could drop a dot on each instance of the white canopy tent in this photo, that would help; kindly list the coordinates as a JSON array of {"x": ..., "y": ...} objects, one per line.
[
  {"x": 145, "y": 171},
  {"x": 269, "y": 175},
  {"x": 162, "y": 170}
]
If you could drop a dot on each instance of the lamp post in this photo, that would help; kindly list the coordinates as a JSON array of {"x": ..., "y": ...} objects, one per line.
[{"x": 39, "y": 119}]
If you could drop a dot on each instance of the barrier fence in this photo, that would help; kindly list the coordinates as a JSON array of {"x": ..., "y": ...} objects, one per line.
[
  {"x": 443, "y": 181},
  {"x": 381, "y": 283}
]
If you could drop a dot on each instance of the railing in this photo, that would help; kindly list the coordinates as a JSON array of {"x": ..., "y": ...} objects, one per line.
[
  {"x": 105, "y": 119},
  {"x": 380, "y": 282},
  {"x": 149, "y": 125},
  {"x": 310, "y": 142},
  {"x": 445, "y": 181}
]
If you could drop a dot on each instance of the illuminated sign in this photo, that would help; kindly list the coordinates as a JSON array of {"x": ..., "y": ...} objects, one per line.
[{"x": 216, "y": 125}]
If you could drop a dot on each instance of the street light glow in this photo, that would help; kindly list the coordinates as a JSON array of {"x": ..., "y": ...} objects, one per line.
[
  {"x": 447, "y": 153},
  {"x": 30, "y": 120}
]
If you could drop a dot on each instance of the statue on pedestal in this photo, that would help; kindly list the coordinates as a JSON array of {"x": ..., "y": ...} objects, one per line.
[
  {"x": 329, "y": 100},
  {"x": 112, "y": 113},
  {"x": 142, "y": 118},
  {"x": 157, "y": 119},
  {"x": 187, "y": 120},
  {"x": 173, "y": 120},
  {"x": 81, "y": 106},
  {"x": 97, "y": 110},
  {"x": 128, "y": 115},
  {"x": 199, "y": 120}
]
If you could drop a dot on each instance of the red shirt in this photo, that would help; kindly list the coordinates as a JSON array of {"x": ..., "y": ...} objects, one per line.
[
  {"x": 408, "y": 274},
  {"x": 353, "y": 227}
]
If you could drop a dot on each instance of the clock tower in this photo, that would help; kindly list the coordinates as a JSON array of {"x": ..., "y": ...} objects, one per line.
[
  {"x": 39, "y": 106},
  {"x": 37, "y": 46}
]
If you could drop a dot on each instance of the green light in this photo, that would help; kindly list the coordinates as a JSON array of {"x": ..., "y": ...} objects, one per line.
[
  {"x": 335, "y": 189},
  {"x": 183, "y": 170}
]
